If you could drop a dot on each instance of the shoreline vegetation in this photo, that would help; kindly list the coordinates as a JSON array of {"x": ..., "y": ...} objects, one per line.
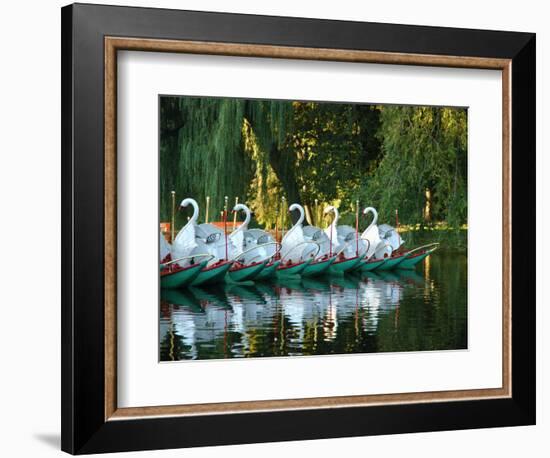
[
  {"x": 409, "y": 162},
  {"x": 450, "y": 239}
]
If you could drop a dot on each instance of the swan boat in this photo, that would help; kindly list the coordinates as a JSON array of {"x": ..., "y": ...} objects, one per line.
[
  {"x": 267, "y": 248},
  {"x": 386, "y": 248},
  {"x": 324, "y": 259},
  {"x": 245, "y": 264},
  {"x": 296, "y": 252},
  {"x": 391, "y": 238},
  {"x": 189, "y": 243},
  {"x": 172, "y": 274},
  {"x": 344, "y": 243},
  {"x": 248, "y": 261},
  {"x": 204, "y": 254}
]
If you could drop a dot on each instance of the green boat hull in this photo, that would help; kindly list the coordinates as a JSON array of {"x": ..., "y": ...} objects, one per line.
[
  {"x": 245, "y": 273},
  {"x": 358, "y": 266},
  {"x": 317, "y": 268},
  {"x": 369, "y": 266},
  {"x": 181, "y": 278},
  {"x": 211, "y": 275},
  {"x": 296, "y": 269},
  {"x": 392, "y": 263},
  {"x": 339, "y": 267},
  {"x": 410, "y": 263},
  {"x": 268, "y": 272}
]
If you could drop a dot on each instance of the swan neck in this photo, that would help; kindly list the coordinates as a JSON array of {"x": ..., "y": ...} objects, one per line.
[
  {"x": 300, "y": 219},
  {"x": 374, "y": 217},
  {"x": 247, "y": 218},
  {"x": 336, "y": 216},
  {"x": 195, "y": 216},
  {"x": 302, "y": 216}
]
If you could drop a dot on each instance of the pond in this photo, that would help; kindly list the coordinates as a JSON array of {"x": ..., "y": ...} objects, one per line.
[{"x": 394, "y": 311}]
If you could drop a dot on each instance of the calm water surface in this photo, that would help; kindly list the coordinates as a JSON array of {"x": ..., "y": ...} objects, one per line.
[{"x": 424, "y": 309}]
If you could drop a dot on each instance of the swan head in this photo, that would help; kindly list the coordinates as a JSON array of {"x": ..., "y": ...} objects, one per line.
[
  {"x": 374, "y": 215},
  {"x": 188, "y": 201},
  {"x": 242, "y": 207},
  {"x": 195, "y": 205},
  {"x": 369, "y": 209},
  {"x": 247, "y": 212},
  {"x": 330, "y": 208},
  {"x": 295, "y": 207}
]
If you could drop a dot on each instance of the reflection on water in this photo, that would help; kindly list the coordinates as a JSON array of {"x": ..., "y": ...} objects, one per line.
[{"x": 400, "y": 310}]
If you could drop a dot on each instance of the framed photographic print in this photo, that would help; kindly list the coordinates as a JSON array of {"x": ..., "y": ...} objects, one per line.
[{"x": 282, "y": 228}]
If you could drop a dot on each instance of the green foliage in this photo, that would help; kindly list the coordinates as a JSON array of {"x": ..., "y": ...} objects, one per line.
[
  {"x": 204, "y": 142},
  {"x": 334, "y": 145},
  {"x": 388, "y": 157},
  {"x": 423, "y": 169}
]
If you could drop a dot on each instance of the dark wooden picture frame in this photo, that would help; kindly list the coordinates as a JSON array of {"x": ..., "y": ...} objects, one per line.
[{"x": 91, "y": 37}]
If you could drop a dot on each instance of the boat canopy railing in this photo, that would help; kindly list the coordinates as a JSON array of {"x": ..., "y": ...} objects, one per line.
[
  {"x": 235, "y": 258},
  {"x": 337, "y": 253},
  {"x": 354, "y": 241},
  {"x": 427, "y": 247},
  {"x": 299, "y": 245},
  {"x": 183, "y": 258}
]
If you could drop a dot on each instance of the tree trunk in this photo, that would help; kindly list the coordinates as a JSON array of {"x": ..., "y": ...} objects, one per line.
[
  {"x": 428, "y": 206},
  {"x": 309, "y": 216}
]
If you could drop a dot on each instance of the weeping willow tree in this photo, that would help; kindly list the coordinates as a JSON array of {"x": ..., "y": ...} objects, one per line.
[
  {"x": 215, "y": 146},
  {"x": 423, "y": 167}
]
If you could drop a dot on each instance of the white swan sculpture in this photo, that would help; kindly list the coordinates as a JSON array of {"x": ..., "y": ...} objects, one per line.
[
  {"x": 316, "y": 235},
  {"x": 331, "y": 231},
  {"x": 290, "y": 250},
  {"x": 218, "y": 245},
  {"x": 378, "y": 248},
  {"x": 344, "y": 239},
  {"x": 186, "y": 243},
  {"x": 237, "y": 237},
  {"x": 255, "y": 245},
  {"x": 384, "y": 239},
  {"x": 391, "y": 236}
]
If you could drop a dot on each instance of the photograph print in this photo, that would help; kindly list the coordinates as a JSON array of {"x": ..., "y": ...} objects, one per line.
[{"x": 293, "y": 228}]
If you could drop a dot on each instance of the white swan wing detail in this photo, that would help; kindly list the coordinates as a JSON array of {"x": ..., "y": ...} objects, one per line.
[
  {"x": 390, "y": 234},
  {"x": 184, "y": 243},
  {"x": 332, "y": 235},
  {"x": 291, "y": 239},
  {"x": 383, "y": 250},
  {"x": 236, "y": 245},
  {"x": 372, "y": 235},
  {"x": 317, "y": 236}
]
